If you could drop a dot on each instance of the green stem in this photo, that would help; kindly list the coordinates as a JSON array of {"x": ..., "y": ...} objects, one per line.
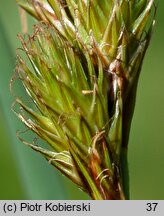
[{"x": 125, "y": 172}]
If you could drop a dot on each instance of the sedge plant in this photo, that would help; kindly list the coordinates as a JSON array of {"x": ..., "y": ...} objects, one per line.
[{"x": 84, "y": 60}]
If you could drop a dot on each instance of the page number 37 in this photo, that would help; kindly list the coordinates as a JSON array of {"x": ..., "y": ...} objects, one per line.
[{"x": 151, "y": 206}]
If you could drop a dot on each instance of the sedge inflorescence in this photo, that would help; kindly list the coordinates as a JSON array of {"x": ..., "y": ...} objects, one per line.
[{"x": 85, "y": 59}]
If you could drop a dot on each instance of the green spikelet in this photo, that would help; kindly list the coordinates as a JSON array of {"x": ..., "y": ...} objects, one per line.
[{"x": 85, "y": 59}]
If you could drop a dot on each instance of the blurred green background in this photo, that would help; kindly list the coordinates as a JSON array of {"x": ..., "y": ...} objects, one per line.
[{"x": 24, "y": 174}]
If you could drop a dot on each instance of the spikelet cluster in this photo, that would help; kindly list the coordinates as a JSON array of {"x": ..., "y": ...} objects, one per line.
[{"x": 85, "y": 58}]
